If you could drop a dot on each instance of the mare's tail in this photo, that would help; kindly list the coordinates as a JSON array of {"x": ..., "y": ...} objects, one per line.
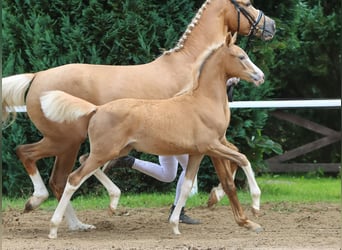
[
  {"x": 59, "y": 106},
  {"x": 13, "y": 94}
]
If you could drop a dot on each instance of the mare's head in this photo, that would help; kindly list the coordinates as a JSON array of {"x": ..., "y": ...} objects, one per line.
[
  {"x": 242, "y": 17},
  {"x": 236, "y": 62}
]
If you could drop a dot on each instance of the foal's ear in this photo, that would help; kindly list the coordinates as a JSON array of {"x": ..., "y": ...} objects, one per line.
[{"x": 230, "y": 40}]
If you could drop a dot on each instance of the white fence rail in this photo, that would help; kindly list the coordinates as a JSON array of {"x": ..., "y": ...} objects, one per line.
[{"x": 324, "y": 103}]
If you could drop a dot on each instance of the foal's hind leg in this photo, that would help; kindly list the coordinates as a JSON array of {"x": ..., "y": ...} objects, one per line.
[
  {"x": 65, "y": 160},
  {"x": 75, "y": 180},
  {"x": 190, "y": 173}
]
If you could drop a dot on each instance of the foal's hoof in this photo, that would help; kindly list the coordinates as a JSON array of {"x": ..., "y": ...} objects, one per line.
[
  {"x": 250, "y": 225},
  {"x": 81, "y": 227},
  {"x": 53, "y": 231},
  {"x": 34, "y": 202},
  {"x": 111, "y": 211},
  {"x": 175, "y": 229}
]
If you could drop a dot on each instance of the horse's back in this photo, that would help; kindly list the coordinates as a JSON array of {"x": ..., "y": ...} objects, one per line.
[{"x": 100, "y": 84}]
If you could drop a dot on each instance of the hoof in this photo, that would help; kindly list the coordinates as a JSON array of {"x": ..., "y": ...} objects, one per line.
[
  {"x": 28, "y": 207},
  {"x": 250, "y": 225},
  {"x": 81, "y": 227},
  {"x": 259, "y": 230},
  {"x": 175, "y": 230},
  {"x": 52, "y": 236},
  {"x": 111, "y": 211},
  {"x": 212, "y": 198},
  {"x": 53, "y": 232},
  {"x": 175, "y": 226},
  {"x": 33, "y": 203}
]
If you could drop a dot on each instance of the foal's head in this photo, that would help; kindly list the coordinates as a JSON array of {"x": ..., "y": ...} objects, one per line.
[{"x": 236, "y": 62}]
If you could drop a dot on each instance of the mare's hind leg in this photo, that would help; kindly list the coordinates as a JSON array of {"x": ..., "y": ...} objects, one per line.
[
  {"x": 28, "y": 155},
  {"x": 225, "y": 176}
]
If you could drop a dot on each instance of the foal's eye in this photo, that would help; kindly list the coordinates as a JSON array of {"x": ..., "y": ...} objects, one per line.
[{"x": 242, "y": 57}]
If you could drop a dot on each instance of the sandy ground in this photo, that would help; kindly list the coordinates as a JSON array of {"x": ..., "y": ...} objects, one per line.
[{"x": 286, "y": 226}]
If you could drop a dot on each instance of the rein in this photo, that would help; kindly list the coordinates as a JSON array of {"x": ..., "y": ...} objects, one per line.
[{"x": 254, "y": 23}]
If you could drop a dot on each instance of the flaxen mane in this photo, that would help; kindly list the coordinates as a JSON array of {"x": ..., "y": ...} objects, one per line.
[{"x": 189, "y": 29}]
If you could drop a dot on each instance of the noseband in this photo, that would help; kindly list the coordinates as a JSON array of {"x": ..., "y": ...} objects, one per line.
[{"x": 253, "y": 23}]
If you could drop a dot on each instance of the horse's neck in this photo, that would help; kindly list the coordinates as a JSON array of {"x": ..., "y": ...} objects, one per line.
[
  {"x": 210, "y": 28},
  {"x": 211, "y": 83}
]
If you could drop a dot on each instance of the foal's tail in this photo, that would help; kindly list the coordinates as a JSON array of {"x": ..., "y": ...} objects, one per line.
[
  {"x": 59, "y": 106},
  {"x": 13, "y": 94}
]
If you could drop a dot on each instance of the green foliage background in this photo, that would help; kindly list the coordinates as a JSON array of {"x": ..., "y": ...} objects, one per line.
[{"x": 302, "y": 61}]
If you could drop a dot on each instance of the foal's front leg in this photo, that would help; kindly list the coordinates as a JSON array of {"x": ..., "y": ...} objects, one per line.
[
  {"x": 217, "y": 193},
  {"x": 190, "y": 173},
  {"x": 225, "y": 176},
  {"x": 252, "y": 183}
]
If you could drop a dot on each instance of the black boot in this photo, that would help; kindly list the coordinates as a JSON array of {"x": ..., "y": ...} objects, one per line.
[
  {"x": 183, "y": 218},
  {"x": 122, "y": 162}
]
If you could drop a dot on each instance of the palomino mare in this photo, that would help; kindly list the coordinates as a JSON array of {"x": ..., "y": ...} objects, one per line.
[
  {"x": 195, "y": 122},
  {"x": 100, "y": 84}
]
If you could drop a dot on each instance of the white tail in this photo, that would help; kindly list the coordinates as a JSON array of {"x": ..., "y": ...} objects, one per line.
[
  {"x": 59, "y": 106},
  {"x": 13, "y": 93}
]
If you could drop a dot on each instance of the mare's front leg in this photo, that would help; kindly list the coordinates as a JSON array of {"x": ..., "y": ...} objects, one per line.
[
  {"x": 225, "y": 176},
  {"x": 190, "y": 173}
]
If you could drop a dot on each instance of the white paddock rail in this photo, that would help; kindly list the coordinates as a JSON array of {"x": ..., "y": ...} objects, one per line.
[
  {"x": 323, "y": 103},
  {"x": 333, "y": 103}
]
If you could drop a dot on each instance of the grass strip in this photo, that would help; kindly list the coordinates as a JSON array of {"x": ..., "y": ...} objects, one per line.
[{"x": 274, "y": 189}]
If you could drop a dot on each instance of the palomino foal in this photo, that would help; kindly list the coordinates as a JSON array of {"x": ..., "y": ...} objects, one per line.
[{"x": 194, "y": 122}]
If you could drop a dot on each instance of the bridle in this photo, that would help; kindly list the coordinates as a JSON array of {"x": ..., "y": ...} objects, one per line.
[
  {"x": 254, "y": 28},
  {"x": 253, "y": 23}
]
